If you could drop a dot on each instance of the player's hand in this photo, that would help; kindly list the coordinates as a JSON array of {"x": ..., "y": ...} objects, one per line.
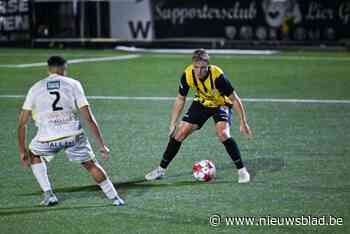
[
  {"x": 245, "y": 129},
  {"x": 172, "y": 129},
  {"x": 104, "y": 151},
  {"x": 24, "y": 158}
]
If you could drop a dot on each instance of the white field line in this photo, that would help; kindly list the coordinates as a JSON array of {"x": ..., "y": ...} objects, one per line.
[
  {"x": 190, "y": 51},
  {"x": 265, "y": 57},
  {"x": 265, "y": 100},
  {"x": 224, "y": 56},
  {"x": 240, "y": 57},
  {"x": 234, "y": 54},
  {"x": 73, "y": 61}
]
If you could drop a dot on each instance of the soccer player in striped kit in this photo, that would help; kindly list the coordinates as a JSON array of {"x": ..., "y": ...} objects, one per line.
[{"x": 215, "y": 97}]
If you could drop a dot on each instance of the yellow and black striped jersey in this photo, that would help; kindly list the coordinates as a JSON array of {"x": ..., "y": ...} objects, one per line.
[{"x": 212, "y": 91}]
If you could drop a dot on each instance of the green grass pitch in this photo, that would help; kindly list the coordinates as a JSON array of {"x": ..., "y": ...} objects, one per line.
[{"x": 299, "y": 157}]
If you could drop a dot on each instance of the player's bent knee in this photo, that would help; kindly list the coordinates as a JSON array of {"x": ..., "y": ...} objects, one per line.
[
  {"x": 222, "y": 131},
  {"x": 88, "y": 164},
  {"x": 34, "y": 159},
  {"x": 183, "y": 132},
  {"x": 180, "y": 136},
  {"x": 96, "y": 171},
  {"x": 223, "y": 135}
]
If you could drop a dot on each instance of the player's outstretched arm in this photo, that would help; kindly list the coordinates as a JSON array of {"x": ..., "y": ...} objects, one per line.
[
  {"x": 91, "y": 122},
  {"x": 238, "y": 106},
  {"x": 21, "y": 131},
  {"x": 176, "y": 111}
]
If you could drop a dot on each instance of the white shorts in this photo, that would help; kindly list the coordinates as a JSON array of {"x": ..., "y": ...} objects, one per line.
[{"x": 76, "y": 148}]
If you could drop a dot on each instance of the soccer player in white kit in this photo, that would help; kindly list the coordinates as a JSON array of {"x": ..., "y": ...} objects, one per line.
[{"x": 53, "y": 103}]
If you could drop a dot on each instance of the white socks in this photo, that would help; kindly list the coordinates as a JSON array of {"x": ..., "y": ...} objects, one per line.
[
  {"x": 40, "y": 173},
  {"x": 108, "y": 189}
]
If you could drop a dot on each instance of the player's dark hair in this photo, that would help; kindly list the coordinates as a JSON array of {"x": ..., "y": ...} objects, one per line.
[
  {"x": 56, "y": 61},
  {"x": 200, "y": 55}
]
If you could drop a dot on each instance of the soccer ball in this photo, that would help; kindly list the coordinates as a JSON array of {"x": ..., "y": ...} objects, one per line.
[{"x": 204, "y": 170}]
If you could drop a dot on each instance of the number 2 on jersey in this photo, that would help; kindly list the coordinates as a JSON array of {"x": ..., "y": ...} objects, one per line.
[{"x": 54, "y": 104}]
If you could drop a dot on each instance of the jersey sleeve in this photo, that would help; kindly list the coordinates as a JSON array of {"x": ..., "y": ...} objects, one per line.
[
  {"x": 28, "y": 103},
  {"x": 224, "y": 85},
  {"x": 80, "y": 95},
  {"x": 183, "y": 86}
]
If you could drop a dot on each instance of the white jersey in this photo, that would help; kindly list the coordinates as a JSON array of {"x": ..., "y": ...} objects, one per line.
[{"x": 54, "y": 102}]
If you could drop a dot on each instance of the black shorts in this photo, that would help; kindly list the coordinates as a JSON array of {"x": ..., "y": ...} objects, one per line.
[{"x": 199, "y": 114}]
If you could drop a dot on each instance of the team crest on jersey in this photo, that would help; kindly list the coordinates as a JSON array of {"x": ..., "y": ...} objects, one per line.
[
  {"x": 53, "y": 85},
  {"x": 214, "y": 92}
]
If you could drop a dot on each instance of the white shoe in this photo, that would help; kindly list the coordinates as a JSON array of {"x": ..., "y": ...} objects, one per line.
[
  {"x": 118, "y": 201},
  {"x": 157, "y": 173},
  {"x": 50, "y": 199},
  {"x": 243, "y": 176}
]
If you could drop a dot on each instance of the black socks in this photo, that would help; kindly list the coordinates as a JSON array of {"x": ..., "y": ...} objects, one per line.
[
  {"x": 174, "y": 146},
  {"x": 232, "y": 149},
  {"x": 170, "y": 152}
]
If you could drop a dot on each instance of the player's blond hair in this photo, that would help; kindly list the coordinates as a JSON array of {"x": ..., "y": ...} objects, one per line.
[{"x": 200, "y": 55}]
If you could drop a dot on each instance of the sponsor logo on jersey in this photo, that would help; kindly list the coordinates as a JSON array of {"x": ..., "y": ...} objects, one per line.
[{"x": 53, "y": 85}]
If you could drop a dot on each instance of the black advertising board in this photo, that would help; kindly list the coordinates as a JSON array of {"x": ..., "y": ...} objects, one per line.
[
  {"x": 15, "y": 19},
  {"x": 292, "y": 20}
]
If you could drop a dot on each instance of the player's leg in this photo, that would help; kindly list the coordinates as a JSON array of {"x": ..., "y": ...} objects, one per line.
[
  {"x": 101, "y": 178},
  {"x": 183, "y": 131},
  {"x": 222, "y": 126},
  {"x": 39, "y": 170},
  {"x": 82, "y": 151},
  {"x": 95, "y": 170},
  {"x": 194, "y": 119}
]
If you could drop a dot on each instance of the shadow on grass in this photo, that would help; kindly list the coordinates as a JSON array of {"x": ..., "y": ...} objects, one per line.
[
  {"x": 87, "y": 188},
  {"x": 135, "y": 184},
  {"x": 254, "y": 166}
]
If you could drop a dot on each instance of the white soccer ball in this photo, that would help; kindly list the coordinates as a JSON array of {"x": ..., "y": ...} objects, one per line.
[{"x": 204, "y": 170}]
